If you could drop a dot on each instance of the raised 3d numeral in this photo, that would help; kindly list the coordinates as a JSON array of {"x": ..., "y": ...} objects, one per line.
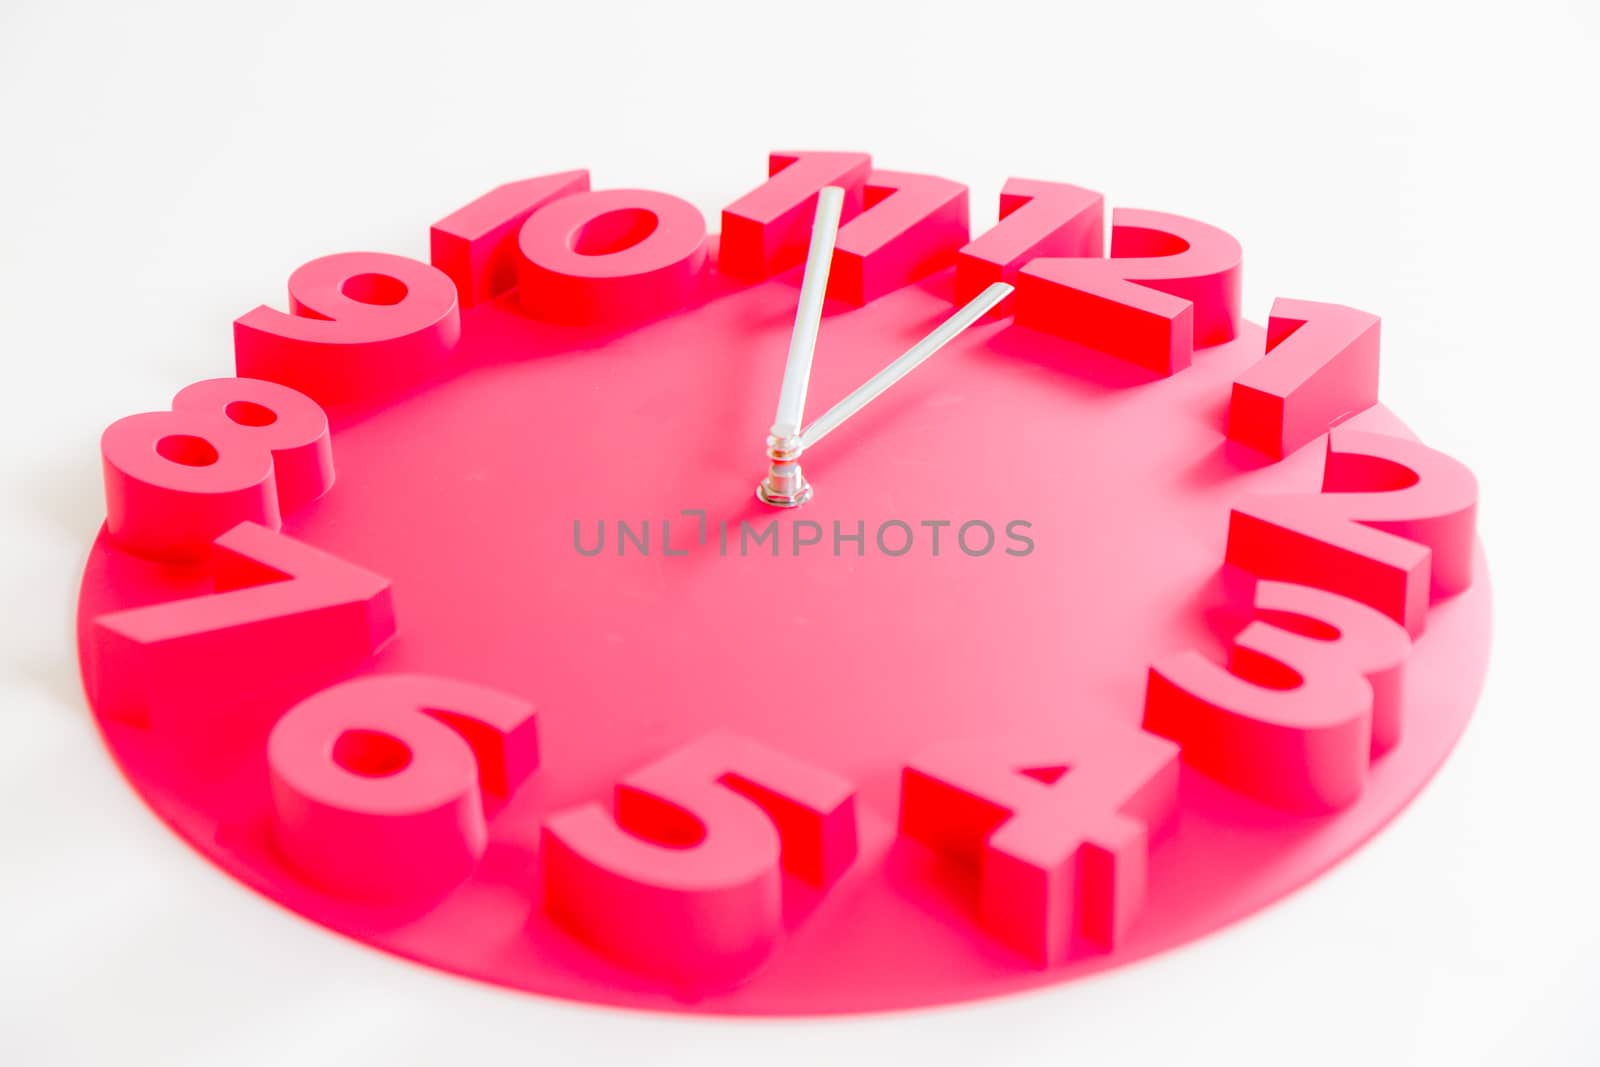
[
  {"x": 617, "y": 257},
  {"x": 1056, "y": 827},
  {"x": 377, "y": 782},
  {"x": 682, "y": 881},
  {"x": 1036, "y": 219},
  {"x": 231, "y": 450},
  {"x": 1171, "y": 286},
  {"x": 768, "y": 229},
  {"x": 1296, "y": 716},
  {"x": 476, "y": 245},
  {"x": 360, "y": 326},
  {"x": 910, "y": 226},
  {"x": 1320, "y": 367},
  {"x": 1395, "y": 521},
  {"x": 284, "y": 619}
]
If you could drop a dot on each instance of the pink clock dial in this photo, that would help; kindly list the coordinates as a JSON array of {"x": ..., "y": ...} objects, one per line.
[{"x": 455, "y": 623}]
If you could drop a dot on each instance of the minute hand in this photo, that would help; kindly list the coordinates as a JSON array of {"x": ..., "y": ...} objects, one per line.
[{"x": 914, "y": 357}]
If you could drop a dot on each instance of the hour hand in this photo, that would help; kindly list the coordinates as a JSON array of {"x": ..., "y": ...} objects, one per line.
[
  {"x": 785, "y": 485},
  {"x": 873, "y": 387}
]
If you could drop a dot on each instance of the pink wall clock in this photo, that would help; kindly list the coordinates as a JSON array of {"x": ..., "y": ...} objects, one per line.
[{"x": 490, "y": 617}]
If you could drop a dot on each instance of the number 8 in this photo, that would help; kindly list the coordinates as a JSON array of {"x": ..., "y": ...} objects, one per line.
[{"x": 231, "y": 450}]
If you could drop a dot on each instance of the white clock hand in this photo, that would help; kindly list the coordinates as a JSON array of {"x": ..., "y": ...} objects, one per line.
[
  {"x": 784, "y": 485},
  {"x": 808, "y": 316},
  {"x": 914, "y": 356}
]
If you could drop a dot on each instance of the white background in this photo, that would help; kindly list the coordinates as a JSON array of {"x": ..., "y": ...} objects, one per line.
[{"x": 163, "y": 167}]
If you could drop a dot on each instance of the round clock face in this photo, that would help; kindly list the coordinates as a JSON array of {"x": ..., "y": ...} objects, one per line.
[{"x": 639, "y": 738}]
